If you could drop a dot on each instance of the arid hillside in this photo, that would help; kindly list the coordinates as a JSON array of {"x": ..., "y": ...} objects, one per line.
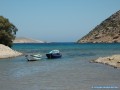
[{"x": 107, "y": 32}]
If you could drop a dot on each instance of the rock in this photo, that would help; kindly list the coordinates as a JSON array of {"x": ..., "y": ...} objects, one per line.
[
  {"x": 6, "y": 52},
  {"x": 111, "y": 60}
]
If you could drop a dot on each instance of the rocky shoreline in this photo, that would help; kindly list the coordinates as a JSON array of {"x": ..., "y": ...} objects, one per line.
[
  {"x": 6, "y": 52},
  {"x": 113, "y": 61}
]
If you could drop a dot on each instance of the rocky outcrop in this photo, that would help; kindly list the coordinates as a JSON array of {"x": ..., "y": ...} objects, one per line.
[
  {"x": 6, "y": 52},
  {"x": 110, "y": 60},
  {"x": 26, "y": 40},
  {"x": 107, "y": 32}
]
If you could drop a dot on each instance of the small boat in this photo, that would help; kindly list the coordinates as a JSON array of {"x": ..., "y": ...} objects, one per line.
[
  {"x": 33, "y": 57},
  {"x": 54, "y": 54}
]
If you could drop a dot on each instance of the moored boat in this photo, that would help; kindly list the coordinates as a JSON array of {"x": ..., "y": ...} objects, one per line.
[
  {"x": 33, "y": 57},
  {"x": 54, "y": 54}
]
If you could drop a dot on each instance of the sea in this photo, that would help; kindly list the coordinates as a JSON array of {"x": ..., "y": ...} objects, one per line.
[{"x": 71, "y": 72}]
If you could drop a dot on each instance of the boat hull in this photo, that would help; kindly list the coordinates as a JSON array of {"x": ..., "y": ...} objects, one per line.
[
  {"x": 53, "y": 56},
  {"x": 33, "y": 57}
]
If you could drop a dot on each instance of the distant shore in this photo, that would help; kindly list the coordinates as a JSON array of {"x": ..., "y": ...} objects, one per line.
[
  {"x": 27, "y": 40},
  {"x": 6, "y": 52},
  {"x": 113, "y": 61}
]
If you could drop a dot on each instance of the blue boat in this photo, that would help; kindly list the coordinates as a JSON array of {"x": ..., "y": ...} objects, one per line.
[{"x": 54, "y": 54}]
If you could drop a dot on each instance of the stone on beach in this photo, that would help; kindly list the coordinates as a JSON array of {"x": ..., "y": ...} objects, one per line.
[
  {"x": 110, "y": 60},
  {"x": 6, "y": 52}
]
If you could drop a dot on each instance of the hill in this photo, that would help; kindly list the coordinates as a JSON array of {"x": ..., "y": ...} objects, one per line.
[
  {"x": 107, "y": 32},
  {"x": 27, "y": 40}
]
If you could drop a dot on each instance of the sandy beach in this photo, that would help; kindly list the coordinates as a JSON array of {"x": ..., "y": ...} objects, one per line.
[
  {"x": 113, "y": 60},
  {"x": 6, "y": 52}
]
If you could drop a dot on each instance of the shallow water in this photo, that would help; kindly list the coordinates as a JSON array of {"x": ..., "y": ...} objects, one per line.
[{"x": 72, "y": 72}]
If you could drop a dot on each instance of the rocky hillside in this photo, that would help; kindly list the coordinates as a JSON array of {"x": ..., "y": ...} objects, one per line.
[
  {"x": 107, "y": 32},
  {"x": 26, "y": 40}
]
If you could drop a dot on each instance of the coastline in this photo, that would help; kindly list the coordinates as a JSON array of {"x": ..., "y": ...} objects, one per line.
[
  {"x": 113, "y": 61},
  {"x": 6, "y": 52},
  {"x": 27, "y": 40}
]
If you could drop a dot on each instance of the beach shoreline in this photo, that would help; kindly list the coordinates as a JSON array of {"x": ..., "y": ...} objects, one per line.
[
  {"x": 113, "y": 61},
  {"x": 6, "y": 52}
]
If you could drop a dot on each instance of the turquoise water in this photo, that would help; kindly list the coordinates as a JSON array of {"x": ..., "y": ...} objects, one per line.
[
  {"x": 70, "y": 49},
  {"x": 72, "y": 72}
]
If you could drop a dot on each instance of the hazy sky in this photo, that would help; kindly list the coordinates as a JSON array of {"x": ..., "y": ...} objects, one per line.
[{"x": 57, "y": 20}]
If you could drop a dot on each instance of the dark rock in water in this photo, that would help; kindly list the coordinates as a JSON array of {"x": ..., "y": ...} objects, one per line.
[{"x": 107, "y": 32}]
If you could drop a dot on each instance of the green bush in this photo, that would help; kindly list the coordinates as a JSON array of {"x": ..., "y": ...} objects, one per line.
[{"x": 7, "y": 32}]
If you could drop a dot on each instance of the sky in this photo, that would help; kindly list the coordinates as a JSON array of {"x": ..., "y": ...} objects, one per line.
[{"x": 57, "y": 20}]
